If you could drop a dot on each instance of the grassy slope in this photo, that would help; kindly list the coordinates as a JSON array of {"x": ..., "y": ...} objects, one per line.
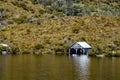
[{"x": 58, "y": 33}]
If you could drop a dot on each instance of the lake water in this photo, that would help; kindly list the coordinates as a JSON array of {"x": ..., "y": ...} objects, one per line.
[{"x": 50, "y": 67}]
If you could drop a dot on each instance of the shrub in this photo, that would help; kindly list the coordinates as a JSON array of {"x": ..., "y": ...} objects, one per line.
[
  {"x": 24, "y": 6},
  {"x": 40, "y": 21},
  {"x": 59, "y": 14},
  {"x": 15, "y": 50},
  {"x": 1, "y": 9},
  {"x": 83, "y": 39},
  {"x": 28, "y": 31},
  {"x": 20, "y": 20},
  {"x": 114, "y": 55},
  {"x": 2, "y": 13},
  {"x": 38, "y": 46},
  {"x": 59, "y": 49},
  {"x": 10, "y": 22},
  {"x": 1, "y": 48},
  {"x": 75, "y": 29},
  {"x": 117, "y": 42},
  {"x": 4, "y": 0},
  {"x": 41, "y": 11},
  {"x": 99, "y": 50}
]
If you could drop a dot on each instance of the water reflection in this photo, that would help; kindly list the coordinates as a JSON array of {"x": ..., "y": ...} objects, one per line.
[
  {"x": 82, "y": 67},
  {"x": 31, "y": 67},
  {"x": 113, "y": 68}
]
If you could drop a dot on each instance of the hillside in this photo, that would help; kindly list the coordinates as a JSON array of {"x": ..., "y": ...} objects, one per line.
[{"x": 50, "y": 26}]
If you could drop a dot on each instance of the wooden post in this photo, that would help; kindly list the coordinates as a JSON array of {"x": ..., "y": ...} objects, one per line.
[
  {"x": 76, "y": 50},
  {"x": 83, "y": 51}
]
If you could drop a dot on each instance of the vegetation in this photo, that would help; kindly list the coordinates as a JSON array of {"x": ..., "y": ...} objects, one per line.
[
  {"x": 51, "y": 26},
  {"x": 1, "y": 48}
]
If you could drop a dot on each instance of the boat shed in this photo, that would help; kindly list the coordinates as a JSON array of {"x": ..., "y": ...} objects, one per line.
[
  {"x": 79, "y": 48},
  {"x": 4, "y": 48}
]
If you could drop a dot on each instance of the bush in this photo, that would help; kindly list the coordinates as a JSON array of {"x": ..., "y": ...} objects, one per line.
[
  {"x": 15, "y": 50},
  {"x": 28, "y": 31},
  {"x": 97, "y": 50},
  {"x": 59, "y": 49},
  {"x": 4, "y": 0},
  {"x": 2, "y": 13},
  {"x": 40, "y": 21},
  {"x": 20, "y": 20},
  {"x": 83, "y": 39},
  {"x": 114, "y": 55},
  {"x": 38, "y": 46},
  {"x": 1, "y": 48},
  {"x": 117, "y": 42},
  {"x": 59, "y": 14},
  {"x": 41, "y": 11},
  {"x": 24, "y": 6},
  {"x": 1, "y": 9},
  {"x": 76, "y": 29}
]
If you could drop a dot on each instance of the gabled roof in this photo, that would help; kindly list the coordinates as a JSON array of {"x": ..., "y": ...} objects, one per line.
[
  {"x": 81, "y": 45},
  {"x": 5, "y": 45}
]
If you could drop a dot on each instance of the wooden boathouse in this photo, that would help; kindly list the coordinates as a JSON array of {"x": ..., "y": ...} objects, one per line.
[{"x": 79, "y": 48}]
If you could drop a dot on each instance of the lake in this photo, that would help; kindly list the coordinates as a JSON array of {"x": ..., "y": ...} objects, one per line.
[{"x": 51, "y": 67}]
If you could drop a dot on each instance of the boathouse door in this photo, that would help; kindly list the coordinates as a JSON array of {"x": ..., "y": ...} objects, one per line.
[{"x": 76, "y": 51}]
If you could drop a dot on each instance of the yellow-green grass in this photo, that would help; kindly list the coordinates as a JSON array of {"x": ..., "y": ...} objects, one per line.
[
  {"x": 40, "y": 32},
  {"x": 57, "y": 34}
]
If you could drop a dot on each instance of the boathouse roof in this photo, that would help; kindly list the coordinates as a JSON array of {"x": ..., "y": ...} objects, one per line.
[
  {"x": 2, "y": 44},
  {"x": 81, "y": 45}
]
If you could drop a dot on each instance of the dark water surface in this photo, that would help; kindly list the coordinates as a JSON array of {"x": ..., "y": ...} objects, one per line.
[{"x": 49, "y": 67}]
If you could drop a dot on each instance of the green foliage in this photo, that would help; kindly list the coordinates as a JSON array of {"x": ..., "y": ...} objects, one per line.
[
  {"x": 83, "y": 39},
  {"x": 15, "y": 50},
  {"x": 2, "y": 13},
  {"x": 34, "y": 1},
  {"x": 54, "y": 25},
  {"x": 81, "y": 8},
  {"x": 4, "y": 0},
  {"x": 59, "y": 14},
  {"x": 59, "y": 49},
  {"x": 2, "y": 36},
  {"x": 117, "y": 42},
  {"x": 114, "y": 55},
  {"x": 45, "y": 2},
  {"x": 41, "y": 11},
  {"x": 23, "y": 5},
  {"x": 20, "y": 20},
  {"x": 28, "y": 31},
  {"x": 98, "y": 50},
  {"x": 1, "y": 9},
  {"x": 40, "y": 21},
  {"x": 38, "y": 46},
  {"x": 2, "y": 48}
]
